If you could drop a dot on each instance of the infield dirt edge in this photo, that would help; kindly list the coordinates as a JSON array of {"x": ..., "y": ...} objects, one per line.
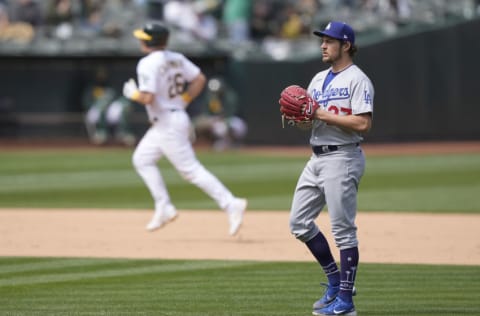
[{"x": 384, "y": 237}]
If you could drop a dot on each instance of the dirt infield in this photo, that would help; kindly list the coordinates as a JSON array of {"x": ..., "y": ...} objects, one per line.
[{"x": 384, "y": 238}]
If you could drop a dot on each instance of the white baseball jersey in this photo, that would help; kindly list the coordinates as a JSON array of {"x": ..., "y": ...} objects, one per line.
[
  {"x": 349, "y": 92},
  {"x": 164, "y": 74}
]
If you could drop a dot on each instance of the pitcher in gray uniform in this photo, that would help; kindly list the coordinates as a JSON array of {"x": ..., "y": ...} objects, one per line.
[{"x": 332, "y": 175}]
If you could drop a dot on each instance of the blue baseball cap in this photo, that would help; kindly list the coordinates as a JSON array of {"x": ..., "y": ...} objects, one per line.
[{"x": 338, "y": 30}]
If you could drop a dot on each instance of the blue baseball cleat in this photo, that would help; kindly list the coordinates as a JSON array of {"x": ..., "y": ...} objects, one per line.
[
  {"x": 337, "y": 307},
  {"x": 329, "y": 296}
]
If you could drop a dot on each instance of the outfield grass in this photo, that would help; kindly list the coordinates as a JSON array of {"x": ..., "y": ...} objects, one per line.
[
  {"x": 73, "y": 286},
  {"x": 106, "y": 179}
]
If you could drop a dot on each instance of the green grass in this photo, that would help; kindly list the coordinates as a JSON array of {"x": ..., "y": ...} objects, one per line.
[
  {"x": 75, "y": 286},
  {"x": 432, "y": 183},
  {"x": 106, "y": 179}
]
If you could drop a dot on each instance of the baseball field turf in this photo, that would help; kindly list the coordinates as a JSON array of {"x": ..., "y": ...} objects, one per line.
[{"x": 70, "y": 178}]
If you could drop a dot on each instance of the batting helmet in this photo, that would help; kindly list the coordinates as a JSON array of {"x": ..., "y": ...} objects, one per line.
[{"x": 153, "y": 34}]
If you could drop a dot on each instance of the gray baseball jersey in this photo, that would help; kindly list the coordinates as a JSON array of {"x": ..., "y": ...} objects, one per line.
[
  {"x": 332, "y": 178},
  {"x": 349, "y": 92}
]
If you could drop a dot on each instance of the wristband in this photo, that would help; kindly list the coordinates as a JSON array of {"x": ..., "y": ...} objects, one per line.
[
  {"x": 187, "y": 98},
  {"x": 135, "y": 95}
]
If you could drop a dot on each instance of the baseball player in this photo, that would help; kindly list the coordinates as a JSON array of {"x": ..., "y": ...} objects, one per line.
[
  {"x": 167, "y": 83},
  {"x": 342, "y": 111}
]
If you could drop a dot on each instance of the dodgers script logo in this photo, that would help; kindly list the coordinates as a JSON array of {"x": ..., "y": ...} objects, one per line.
[
  {"x": 331, "y": 93},
  {"x": 336, "y": 93}
]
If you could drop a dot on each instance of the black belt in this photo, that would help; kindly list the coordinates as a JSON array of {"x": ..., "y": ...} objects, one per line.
[{"x": 323, "y": 149}]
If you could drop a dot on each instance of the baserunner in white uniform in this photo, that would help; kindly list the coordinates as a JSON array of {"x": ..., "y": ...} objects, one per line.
[
  {"x": 168, "y": 82},
  {"x": 332, "y": 175}
]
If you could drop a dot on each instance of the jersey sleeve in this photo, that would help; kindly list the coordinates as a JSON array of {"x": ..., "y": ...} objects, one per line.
[
  {"x": 362, "y": 97},
  {"x": 146, "y": 76},
  {"x": 190, "y": 70}
]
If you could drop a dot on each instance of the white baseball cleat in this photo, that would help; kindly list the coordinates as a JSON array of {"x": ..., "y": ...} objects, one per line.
[
  {"x": 161, "y": 219},
  {"x": 235, "y": 212}
]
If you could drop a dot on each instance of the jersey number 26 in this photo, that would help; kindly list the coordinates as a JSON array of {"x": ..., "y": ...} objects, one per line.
[{"x": 176, "y": 85}]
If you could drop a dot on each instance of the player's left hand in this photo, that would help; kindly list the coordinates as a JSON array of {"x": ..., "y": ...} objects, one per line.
[{"x": 297, "y": 105}]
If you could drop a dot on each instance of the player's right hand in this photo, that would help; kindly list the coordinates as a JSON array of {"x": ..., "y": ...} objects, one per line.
[{"x": 130, "y": 89}]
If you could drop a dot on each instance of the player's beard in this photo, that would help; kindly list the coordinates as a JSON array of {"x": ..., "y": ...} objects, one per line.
[{"x": 332, "y": 57}]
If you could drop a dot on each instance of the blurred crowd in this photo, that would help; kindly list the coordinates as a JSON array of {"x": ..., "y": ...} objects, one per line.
[
  {"x": 105, "y": 26},
  {"x": 23, "y": 21}
]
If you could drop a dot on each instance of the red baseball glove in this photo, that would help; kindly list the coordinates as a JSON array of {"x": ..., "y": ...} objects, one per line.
[{"x": 296, "y": 105}]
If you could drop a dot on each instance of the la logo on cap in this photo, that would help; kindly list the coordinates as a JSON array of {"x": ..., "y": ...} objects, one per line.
[{"x": 328, "y": 26}]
